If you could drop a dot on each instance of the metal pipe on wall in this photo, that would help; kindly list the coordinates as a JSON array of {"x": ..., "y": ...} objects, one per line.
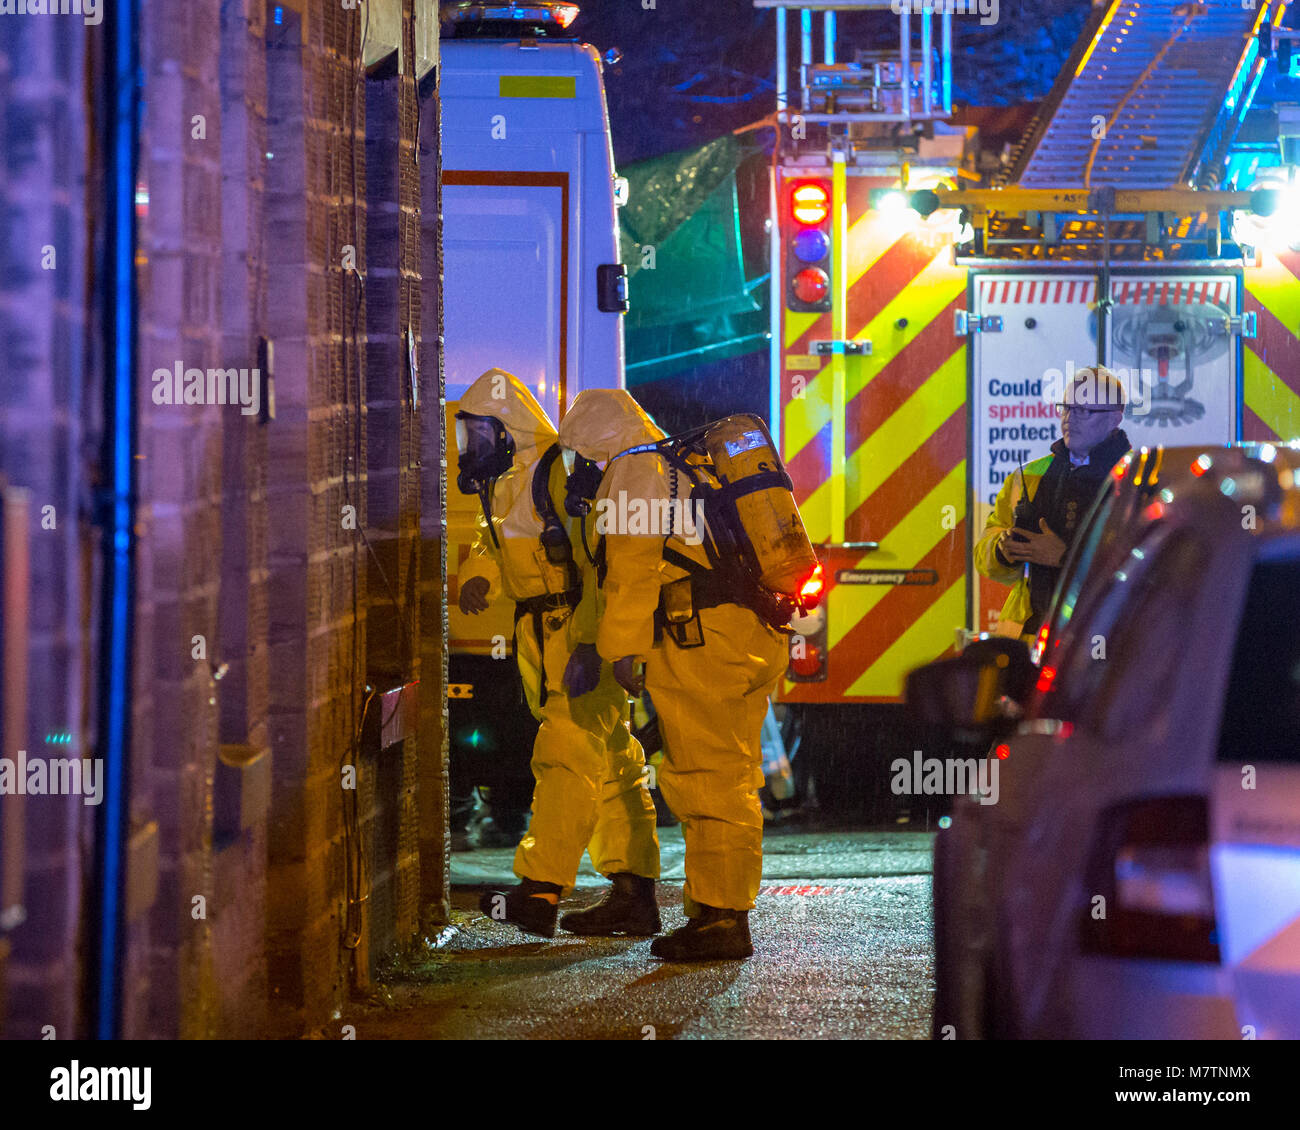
[{"x": 116, "y": 516}]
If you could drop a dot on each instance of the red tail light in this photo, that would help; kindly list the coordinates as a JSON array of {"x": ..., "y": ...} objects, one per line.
[
  {"x": 1150, "y": 863},
  {"x": 811, "y": 285},
  {"x": 810, "y": 203},
  {"x": 1045, "y": 679},
  {"x": 809, "y": 663}
]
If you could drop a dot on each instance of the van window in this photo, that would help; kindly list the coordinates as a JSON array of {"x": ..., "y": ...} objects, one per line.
[
  {"x": 1078, "y": 660},
  {"x": 1261, "y": 714}
]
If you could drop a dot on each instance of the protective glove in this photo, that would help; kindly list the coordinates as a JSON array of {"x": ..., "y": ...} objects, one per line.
[
  {"x": 628, "y": 678},
  {"x": 473, "y": 595},
  {"x": 582, "y": 672}
]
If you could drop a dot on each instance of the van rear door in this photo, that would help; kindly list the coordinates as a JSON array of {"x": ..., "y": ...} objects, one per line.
[{"x": 505, "y": 268}]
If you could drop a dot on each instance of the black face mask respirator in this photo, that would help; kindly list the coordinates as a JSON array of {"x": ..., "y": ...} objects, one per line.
[
  {"x": 583, "y": 482},
  {"x": 580, "y": 492},
  {"x": 486, "y": 451}
]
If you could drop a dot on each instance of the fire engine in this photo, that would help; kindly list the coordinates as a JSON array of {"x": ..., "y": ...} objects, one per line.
[{"x": 924, "y": 312}]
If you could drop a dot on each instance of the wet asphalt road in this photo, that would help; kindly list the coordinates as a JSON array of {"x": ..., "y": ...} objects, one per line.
[{"x": 842, "y": 935}]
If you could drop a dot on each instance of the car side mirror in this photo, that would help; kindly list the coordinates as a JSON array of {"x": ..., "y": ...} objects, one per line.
[
  {"x": 1017, "y": 672},
  {"x": 963, "y": 697}
]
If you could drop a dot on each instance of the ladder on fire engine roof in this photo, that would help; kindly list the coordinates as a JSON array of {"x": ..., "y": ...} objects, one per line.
[
  {"x": 1152, "y": 100},
  {"x": 911, "y": 84}
]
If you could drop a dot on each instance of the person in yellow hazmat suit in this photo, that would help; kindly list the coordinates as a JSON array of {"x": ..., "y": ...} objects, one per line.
[
  {"x": 590, "y": 792},
  {"x": 709, "y": 678}
]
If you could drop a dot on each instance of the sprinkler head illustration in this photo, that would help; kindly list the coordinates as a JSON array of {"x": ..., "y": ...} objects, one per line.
[{"x": 1161, "y": 346}]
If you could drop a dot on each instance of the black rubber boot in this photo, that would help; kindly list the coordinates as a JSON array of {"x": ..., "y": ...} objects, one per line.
[
  {"x": 628, "y": 907},
  {"x": 525, "y": 906},
  {"x": 716, "y": 934}
]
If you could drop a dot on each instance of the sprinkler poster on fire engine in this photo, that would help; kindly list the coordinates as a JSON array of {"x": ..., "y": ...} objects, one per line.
[{"x": 1168, "y": 342}]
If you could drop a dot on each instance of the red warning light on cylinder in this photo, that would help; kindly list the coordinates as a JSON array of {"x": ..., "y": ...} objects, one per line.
[{"x": 810, "y": 592}]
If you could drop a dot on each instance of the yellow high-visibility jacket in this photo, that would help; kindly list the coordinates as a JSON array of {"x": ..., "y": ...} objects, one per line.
[{"x": 1016, "y": 609}]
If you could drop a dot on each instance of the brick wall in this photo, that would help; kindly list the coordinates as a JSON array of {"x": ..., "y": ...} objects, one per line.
[
  {"x": 243, "y": 606},
  {"x": 316, "y": 208},
  {"x": 284, "y": 566}
]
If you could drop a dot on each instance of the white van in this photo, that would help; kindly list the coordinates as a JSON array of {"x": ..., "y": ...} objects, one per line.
[{"x": 531, "y": 276}]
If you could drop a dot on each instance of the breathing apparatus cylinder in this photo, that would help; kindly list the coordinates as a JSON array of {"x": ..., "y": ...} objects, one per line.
[{"x": 740, "y": 448}]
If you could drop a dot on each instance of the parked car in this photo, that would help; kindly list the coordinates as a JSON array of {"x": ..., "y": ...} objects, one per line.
[{"x": 1139, "y": 873}]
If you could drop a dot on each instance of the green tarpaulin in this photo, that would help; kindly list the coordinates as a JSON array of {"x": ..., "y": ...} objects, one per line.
[{"x": 680, "y": 238}]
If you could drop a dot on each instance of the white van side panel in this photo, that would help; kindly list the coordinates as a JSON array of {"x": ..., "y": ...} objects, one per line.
[
  {"x": 515, "y": 119},
  {"x": 528, "y": 216}
]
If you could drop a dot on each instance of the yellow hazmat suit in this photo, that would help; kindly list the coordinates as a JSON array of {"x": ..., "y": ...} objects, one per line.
[
  {"x": 589, "y": 770},
  {"x": 710, "y": 699}
]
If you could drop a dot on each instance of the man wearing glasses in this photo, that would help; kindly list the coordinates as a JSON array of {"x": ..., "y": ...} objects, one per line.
[{"x": 1040, "y": 507}]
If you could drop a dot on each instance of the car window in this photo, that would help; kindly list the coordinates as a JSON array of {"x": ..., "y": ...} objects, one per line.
[
  {"x": 1075, "y": 662},
  {"x": 1145, "y": 649},
  {"x": 1095, "y": 536},
  {"x": 1261, "y": 713}
]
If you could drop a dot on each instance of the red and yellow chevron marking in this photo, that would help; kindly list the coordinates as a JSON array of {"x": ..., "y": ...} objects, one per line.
[
  {"x": 903, "y": 473},
  {"x": 1271, "y": 375}
]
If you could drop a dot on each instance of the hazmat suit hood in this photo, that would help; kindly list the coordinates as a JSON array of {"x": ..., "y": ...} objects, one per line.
[
  {"x": 605, "y": 421},
  {"x": 504, "y": 396},
  {"x": 506, "y": 554}
]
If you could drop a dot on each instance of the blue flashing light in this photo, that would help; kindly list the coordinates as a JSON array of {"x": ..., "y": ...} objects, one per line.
[{"x": 812, "y": 245}]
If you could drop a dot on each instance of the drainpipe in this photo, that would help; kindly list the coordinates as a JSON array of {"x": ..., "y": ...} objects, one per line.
[{"x": 117, "y": 520}]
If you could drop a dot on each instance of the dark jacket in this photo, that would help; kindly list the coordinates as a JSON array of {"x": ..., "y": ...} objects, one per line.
[{"x": 1063, "y": 497}]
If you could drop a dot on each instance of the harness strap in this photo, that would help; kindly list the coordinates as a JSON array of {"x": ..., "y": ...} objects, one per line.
[{"x": 537, "y": 607}]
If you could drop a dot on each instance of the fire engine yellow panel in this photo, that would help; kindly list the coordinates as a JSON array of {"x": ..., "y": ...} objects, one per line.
[
  {"x": 902, "y": 432},
  {"x": 915, "y": 646},
  {"x": 1271, "y": 374}
]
